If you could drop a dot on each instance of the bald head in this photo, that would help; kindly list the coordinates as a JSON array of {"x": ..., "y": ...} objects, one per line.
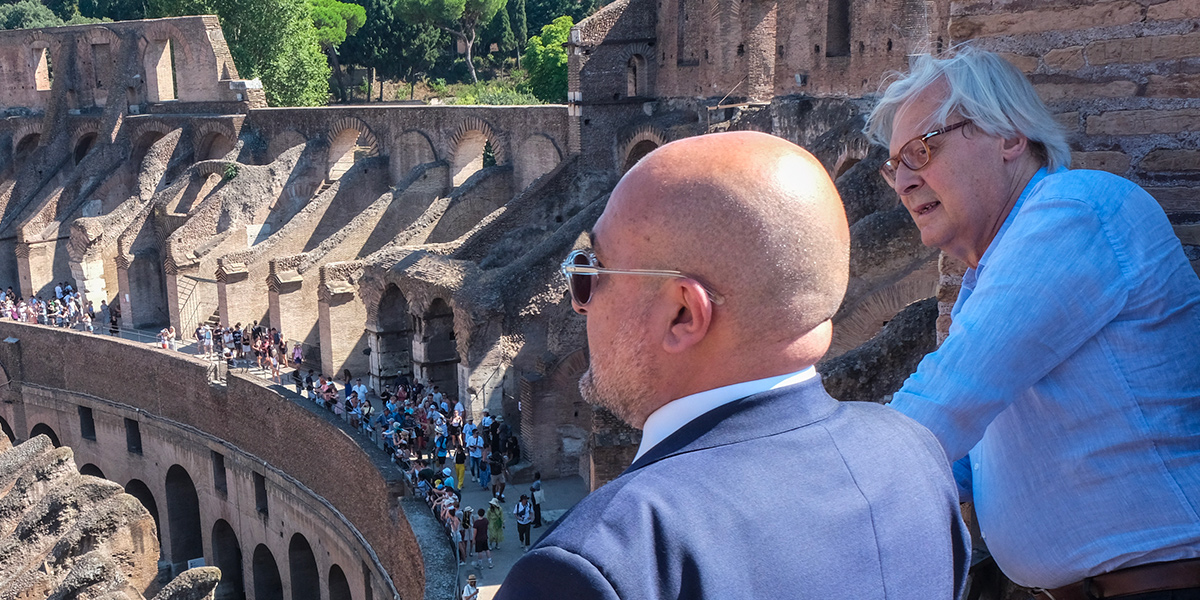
[{"x": 754, "y": 217}]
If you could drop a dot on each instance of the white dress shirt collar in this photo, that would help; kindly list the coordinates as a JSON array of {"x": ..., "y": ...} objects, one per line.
[{"x": 677, "y": 413}]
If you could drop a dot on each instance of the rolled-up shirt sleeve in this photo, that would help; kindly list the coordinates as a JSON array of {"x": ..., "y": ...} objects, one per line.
[{"x": 1049, "y": 282}]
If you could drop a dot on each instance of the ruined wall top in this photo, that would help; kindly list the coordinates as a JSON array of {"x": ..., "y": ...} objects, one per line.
[{"x": 89, "y": 67}]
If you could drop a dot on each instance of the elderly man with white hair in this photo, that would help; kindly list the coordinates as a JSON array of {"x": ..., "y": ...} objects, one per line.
[{"x": 1068, "y": 390}]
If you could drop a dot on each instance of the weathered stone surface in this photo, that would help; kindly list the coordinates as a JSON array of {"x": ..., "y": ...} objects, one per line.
[
  {"x": 1171, "y": 159},
  {"x": 66, "y": 535},
  {"x": 1142, "y": 122},
  {"x": 1143, "y": 49},
  {"x": 876, "y": 370},
  {"x": 1065, "y": 59},
  {"x": 1039, "y": 21},
  {"x": 1113, "y": 162}
]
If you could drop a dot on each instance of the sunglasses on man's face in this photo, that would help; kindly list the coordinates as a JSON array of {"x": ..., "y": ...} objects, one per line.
[{"x": 581, "y": 268}]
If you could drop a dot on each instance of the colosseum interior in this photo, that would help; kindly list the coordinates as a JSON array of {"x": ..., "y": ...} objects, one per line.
[{"x": 424, "y": 241}]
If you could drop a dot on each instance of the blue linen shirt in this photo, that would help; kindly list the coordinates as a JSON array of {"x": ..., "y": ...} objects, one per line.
[{"x": 1072, "y": 376}]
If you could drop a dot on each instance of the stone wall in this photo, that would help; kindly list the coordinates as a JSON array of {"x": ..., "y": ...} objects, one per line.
[{"x": 173, "y": 391}]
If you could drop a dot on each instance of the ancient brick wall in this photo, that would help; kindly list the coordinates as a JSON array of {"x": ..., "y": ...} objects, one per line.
[
  {"x": 1122, "y": 76},
  {"x": 244, "y": 413}
]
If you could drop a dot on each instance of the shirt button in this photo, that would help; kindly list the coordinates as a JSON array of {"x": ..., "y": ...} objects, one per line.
[{"x": 976, "y": 466}]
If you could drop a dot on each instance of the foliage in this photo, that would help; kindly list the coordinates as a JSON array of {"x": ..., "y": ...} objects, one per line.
[
  {"x": 546, "y": 61},
  {"x": 274, "y": 40},
  {"x": 498, "y": 32},
  {"x": 494, "y": 92},
  {"x": 117, "y": 10},
  {"x": 335, "y": 20},
  {"x": 461, "y": 18},
  {"x": 393, "y": 47},
  {"x": 518, "y": 22},
  {"x": 543, "y": 12},
  {"x": 30, "y": 14},
  {"x": 231, "y": 171}
]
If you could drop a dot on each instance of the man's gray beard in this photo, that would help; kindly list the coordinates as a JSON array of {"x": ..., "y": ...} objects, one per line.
[{"x": 595, "y": 395}]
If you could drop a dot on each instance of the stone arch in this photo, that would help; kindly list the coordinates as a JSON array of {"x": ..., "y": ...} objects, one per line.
[
  {"x": 102, "y": 35},
  {"x": 636, "y": 58},
  {"x": 339, "y": 588},
  {"x": 91, "y": 469},
  {"x": 302, "y": 568},
  {"x": 183, "y": 517},
  {"x": 8, "y": 430},
  {"x": 871, "y": 313},
  {"x": 282, "y": 142},
  {"x": 556, "y": 425},
  {"x": 539, "y": 154},
  {"x": 83, "y": 144},
  {"x": 391, "y": 339},
  {"x": 143, "y": 137},
  {"x": 267, "y": 583},
  {"x": 410, "y": 150},
  {"x": 43, "y": 54},
  {"x": 643, "y": 141},
  {"x": 138, "y": 489},
  {"x": 46, "y": 430},
  {"x": 27, "y": 138},
  {"x": 349, "y": 140},
  {"x": 435, "y": 351},
  {"x": 164, "y": 52},
  {"x": 213, "y": 140},
  {"x": 227, "y": 556},
  {"x": 468, "y": 148}
]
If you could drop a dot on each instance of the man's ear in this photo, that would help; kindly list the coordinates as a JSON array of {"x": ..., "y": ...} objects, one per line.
[
  {"x": 691, "y": 319},
  {"x": 1012, "y": 148}
]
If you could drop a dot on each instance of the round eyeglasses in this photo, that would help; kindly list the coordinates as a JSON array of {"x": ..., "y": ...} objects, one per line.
[
  {"x": 915, "y": 153},
  {"x": 581, "y": 267}
]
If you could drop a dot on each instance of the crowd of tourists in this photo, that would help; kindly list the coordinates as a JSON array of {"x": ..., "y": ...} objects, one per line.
[
  {"x": 244, "y": 347},
  {"x": 67, "y": 308}
]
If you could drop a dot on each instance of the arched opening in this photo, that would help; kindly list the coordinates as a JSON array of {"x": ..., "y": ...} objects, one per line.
[
  {"x": 435, "y": 356},
  {"x": 142, "y": 147},
  {"x": 139, "y": 490},
  {"x": 214, "y": 145},
  {"x": 837, "y": 31},
  {"x": 638, "y": 152},
  {"x": 183, "y": 514},
  {"x": 537, "y": 157},
  {"x": 348, "y": 146},
  {"x": 8, "y": 430},
  {"x": 43, "y": 70},
  {"x": 339, "y": 588},
  {"x": 391, "y": 351},
  {"x": 93, "y": 470},
  {"x": 470, "y": 156},
  {"x": 267, "y": 584},
  {"x": 844, "y": 166},
  {"x": 26, "y": 146},
  {"x": 227, "y": 556},
  {"x": 412, "y": 150},
  {"x": 635, "y": 76},
  {"x": 147, "y": 290},
  {"x": 282, "y": 143},
  {"x": 44, "y": 429},
  {"x": 302, "y": 565},
  {"x": 84, "y": 145},
  {"x": 159, "y": 63}
]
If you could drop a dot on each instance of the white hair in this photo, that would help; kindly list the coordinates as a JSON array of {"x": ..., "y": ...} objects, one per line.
[{"x": 988, "y": 90}]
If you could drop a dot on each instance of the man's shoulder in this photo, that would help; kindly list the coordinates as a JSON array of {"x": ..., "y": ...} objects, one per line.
[{"x": 1101, "y": 190}]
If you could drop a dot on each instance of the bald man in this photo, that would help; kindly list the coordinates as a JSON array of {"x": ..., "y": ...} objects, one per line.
[{"x": 708, "y": 289}]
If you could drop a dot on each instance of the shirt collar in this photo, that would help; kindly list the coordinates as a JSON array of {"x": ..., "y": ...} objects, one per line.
[
  {"x": 677, "y": 413},
  {"x": 1012, "y": 213}
]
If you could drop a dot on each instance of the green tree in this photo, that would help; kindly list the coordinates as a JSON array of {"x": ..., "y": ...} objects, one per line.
[
  {"x": 546, "y": 61},
  {"x": 392, "y": 46},
  {"x": 498, "y": 32},
  {"x": 335, "y": 21},
  {"x": 460, "y": 18},
  {"x": 27, "y": 14},
  {"x": 519, "y": 24},
  {"x": 274, "y": 40},
  {"x": 117, "y": 10}
]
